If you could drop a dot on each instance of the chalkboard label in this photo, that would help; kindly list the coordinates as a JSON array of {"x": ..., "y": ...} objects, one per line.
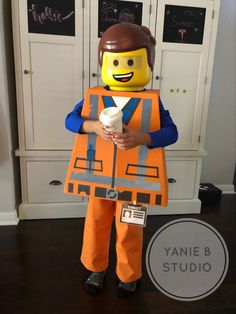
[
  {"x": 184, "y": 24},
  {"x": 55, "y": 17},
  {"x": 113, "y": 12}
]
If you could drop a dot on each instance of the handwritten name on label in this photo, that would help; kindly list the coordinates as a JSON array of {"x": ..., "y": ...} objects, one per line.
[
  {"x": 48, "y": 14},
  {"x": 125, "y": 15}
]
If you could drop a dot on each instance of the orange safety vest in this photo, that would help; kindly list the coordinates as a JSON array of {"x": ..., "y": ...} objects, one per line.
[{"x": 99, "y": 169}]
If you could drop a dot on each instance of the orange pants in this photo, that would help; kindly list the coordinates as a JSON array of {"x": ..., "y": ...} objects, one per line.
[{"x": 129, "y": 240}]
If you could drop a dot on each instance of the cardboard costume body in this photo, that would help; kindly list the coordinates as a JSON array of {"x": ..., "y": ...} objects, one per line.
[
  {"x": 99, "y": 169},
  {"x": 107, "y": 173}
]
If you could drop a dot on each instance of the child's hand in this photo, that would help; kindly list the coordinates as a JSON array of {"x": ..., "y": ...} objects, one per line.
[
  {"x": 100, "y": 130},
  {"x": 129, "y": 139},
  {"x": 96, "y": 126}
]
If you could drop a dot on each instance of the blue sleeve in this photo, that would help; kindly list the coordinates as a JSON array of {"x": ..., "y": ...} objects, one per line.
[
  {"x": 168, "y": 133},
  {"x": 74, "y": 120}
]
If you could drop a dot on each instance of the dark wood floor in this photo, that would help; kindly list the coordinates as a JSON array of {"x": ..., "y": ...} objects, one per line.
[{"x": 40, "y": 270}]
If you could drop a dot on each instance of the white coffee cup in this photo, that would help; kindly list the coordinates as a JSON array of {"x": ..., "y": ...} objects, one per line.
[{"x": 111, "y": 118}]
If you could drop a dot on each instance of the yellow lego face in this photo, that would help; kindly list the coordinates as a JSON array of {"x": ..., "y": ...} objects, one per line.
[{"x": 126, "y": 71}]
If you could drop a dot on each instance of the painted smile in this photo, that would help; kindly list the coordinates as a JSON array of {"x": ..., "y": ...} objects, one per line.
[{"x": 123, "y": 77}]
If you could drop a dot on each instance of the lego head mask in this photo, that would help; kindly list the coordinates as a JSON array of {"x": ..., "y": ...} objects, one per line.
[{"x": 126, "y": 57}]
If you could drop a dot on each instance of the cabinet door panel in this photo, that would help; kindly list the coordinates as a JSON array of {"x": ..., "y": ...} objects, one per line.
[
  {"x": 181, "y": 64},
  {"x": 181, "y": 178},
  {"x": 179, "y": 90},
  {"x": 52, "y": 70},
  {"x": 45, "y": 182},
  {"x": 52, "y": 95}
]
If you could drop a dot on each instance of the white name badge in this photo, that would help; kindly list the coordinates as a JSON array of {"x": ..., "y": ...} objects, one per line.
[{"x": 134, "y": 214}]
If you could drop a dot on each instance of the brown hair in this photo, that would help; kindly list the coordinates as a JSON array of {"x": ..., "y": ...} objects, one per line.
[{"x": 125, "y": 37}]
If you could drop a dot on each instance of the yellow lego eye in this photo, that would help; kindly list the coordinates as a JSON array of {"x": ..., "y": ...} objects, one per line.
[
  {"x": 115, "y": 63},
  {"x": 130, "y": 62}
]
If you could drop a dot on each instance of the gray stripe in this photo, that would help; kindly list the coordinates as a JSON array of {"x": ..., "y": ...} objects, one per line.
[
  {"x": 146, "y": 115},
  {"x": 93, "y": 115},
  {"x": 88, "y": 177},
  {"x": 145, "y": 127}
]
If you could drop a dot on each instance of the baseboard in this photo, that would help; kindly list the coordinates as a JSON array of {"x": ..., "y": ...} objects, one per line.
[
  {"x": 78, "y": 210},
  {"x": 226, "y": 188},
  {"x": 52, "y": 210},
  {"x": 8, "y": 219},
  {"x": 176, "y": 207}
]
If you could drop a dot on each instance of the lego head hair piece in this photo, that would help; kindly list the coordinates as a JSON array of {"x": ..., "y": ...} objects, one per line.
[{"x": 125, "y": 37}]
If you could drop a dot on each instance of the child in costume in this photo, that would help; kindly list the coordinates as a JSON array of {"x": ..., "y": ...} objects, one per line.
[{"x": 126, "y": 56}]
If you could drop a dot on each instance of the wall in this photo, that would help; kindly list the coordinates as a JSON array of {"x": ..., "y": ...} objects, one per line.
[
  {"x": 9, "y": 167},
  {"x": 218, "y": 166}
]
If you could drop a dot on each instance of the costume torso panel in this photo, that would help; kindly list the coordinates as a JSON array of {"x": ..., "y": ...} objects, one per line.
[{"x": 99, "y": 169}]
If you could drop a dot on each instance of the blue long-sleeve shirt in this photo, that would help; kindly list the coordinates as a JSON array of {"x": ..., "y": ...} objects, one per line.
[{"x": 167, "y": 135}]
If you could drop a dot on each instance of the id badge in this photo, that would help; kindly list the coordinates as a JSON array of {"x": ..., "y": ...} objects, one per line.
[{"x": 133, "y": 214}]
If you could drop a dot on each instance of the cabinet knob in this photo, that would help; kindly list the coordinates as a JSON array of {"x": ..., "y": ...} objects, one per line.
[
  {"x": 171, "y": 180},
  {"x": 94, "y": 74},
  {"x": 27, "y": 71},
  {"x": 157, "y": 77},
  {"x": 55, "y": 182}
]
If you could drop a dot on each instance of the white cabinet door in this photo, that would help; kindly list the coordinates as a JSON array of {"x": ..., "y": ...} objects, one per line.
[
  {"x": 45, "y": 182},
  {"x": 181, "y": 178},
  {"x": 52, "y": 67},
  {"x": 181, "y": 64},
  {"x": 105, "y": 13}
]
